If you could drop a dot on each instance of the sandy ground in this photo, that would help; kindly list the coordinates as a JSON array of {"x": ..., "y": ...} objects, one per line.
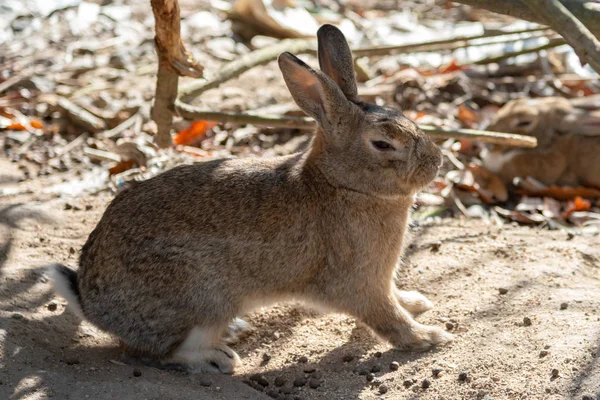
[{"x": 46, "y": 352}]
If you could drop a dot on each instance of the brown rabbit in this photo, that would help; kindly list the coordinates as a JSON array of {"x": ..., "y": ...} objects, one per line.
[
  {"x": 568, "y": 142},
  {"x": 176, "y": 258}
]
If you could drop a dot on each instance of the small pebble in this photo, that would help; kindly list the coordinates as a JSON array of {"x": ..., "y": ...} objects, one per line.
[
  {"x": 17, "y": 316},
  {"x": 370, "y": 377},
  {"x": 75, "y": 361},
  {"x": 425, "y": 384},
  {"x": 546, "y": 347},
  {"x": 137, "y": 372},
  {"x": 383, "y": 389},
  {"x": 88, "y": 207},
  {"x": 273, "y": 393},
  {"x": 300, "y": 381},
  {"x": 279, "y": 381},
  {"x": 435, "y": 246},
  {"x": 437, "y": 372},
  {"x": 71, "y": 250},
  {"x": 376, "y": 368},
  {"x": 543, "y": 353},
  {"x": 348, "y": 358},
  {"x": 68, "y": 206},
  {"x": 588, "y": 398},
  {"x": 555, "y": 373},
  {"x": 262, "y": 381},
  {"x": 266, "y": 357},
  {"x": 463, "y": 376},
  {"x": 317, "y": 375},
  {"x": 378, "y": 354},
  {"x": 314, "y": 383},
  {"x": 394, "y": 366},
  {"x": 449, "y": 326},
  {"x": 255, "y": 377},
  {"x": 502, "y": 290},
  {"x": 303, "y": 359},
  {"x": 363, "y": 371},
  {"x": 52, "y": 306},
  {"x": 407, "y": 383},
  {"x": 526, "y": 321},
  {"x": 204, "y": 381},
  {"x": 563, "y": 306}
]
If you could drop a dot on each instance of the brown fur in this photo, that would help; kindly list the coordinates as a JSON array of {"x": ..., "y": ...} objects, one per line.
[
  {"x": 568, "y": 142},
  {"x": 199, "y": 245}
]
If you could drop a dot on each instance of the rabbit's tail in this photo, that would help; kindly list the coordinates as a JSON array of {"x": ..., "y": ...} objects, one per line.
[{"x": 64, "y": 280}]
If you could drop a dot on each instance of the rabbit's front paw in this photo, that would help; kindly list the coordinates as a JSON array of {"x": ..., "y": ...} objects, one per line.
[
  {"x": 216, "y": 359},
  {"x": 421, "y": 337},
  {"x": 413, "y": 302}
]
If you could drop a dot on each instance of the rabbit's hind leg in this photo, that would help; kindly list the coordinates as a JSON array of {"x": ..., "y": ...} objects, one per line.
[
  {"x": 413, "y": 301},
  {"x": 203, "y": 351}
]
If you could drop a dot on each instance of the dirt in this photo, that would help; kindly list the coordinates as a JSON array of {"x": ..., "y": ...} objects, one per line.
[{"x": 501, "y": 289}]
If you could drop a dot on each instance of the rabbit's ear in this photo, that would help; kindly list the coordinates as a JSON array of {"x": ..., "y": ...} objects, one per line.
[
  {"x": 314, "y": 92},
  {"x": 335, "y": 59},
  {"x": 582, "y": 122}
]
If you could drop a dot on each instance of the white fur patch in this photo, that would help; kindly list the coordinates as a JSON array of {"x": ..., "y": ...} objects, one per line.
[
  {"x": 494, "y": 161},
  {"x": 63, "y": 288}
]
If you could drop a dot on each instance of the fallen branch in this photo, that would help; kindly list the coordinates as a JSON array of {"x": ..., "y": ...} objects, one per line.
[
  {"x": 491, "y": 60},
  {"x": 246, "y": 62},
  {"x": 437, "y": 45},
  {"x": 574, "y": 31},
  {"x": 507, "y": 139},
  {"x": 587, "y": 11}
]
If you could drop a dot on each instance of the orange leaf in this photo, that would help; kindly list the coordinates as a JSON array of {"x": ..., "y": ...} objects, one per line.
[
  {"x": 121, "y": 166},
  {"x": 16, "y": 126},
  {"x": 467, "y": 116},
  {"x": 577, "y": 204},
  {"x": 194, "y": 133},
  {"x": 452, "y": 67},
  {"x": 36, "y": 123}
]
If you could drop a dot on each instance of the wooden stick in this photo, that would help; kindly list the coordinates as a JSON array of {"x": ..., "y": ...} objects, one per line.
[
  {"x": 173, "y": 60},
  {"x": 573, "y": 30},
  {"x": 490, "y": 60},
  {"x": 507, "y": 139},
  {"x": 587, "y": 11},
  {"x": 457, "y": 42},
  {"x": 78, "y": 115}
]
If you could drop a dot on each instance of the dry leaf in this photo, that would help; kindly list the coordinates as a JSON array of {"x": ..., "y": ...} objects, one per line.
[
  {"x": 578, "y": 204},
  {"x": 467, "y": 116},
  {"x": 194, "y": 133},
  {"x": 121, "y": 166}
]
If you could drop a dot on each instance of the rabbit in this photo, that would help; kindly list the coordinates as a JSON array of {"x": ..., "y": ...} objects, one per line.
[
  {"x": 176, "y": 258},
  {"x": 568, "y": 142}
]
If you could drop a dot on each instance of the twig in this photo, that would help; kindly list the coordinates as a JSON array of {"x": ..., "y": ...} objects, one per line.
[
  {"x": 246, "y": 62},
  {"x": 551, "y": 44},
  {"x": 101, "y": 155},
  {"x": 573, "y": 30},
  {"x": 445, "y": 44},
  {"x": 75, "y": 113},
  {"x": 119, "y": 128},
  {"x": 71, "y": 145},
  {"x": 587, "y": 11}
]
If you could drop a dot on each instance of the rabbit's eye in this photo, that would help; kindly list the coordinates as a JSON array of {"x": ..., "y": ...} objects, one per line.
[
  {"x": 382, "y": 146},
  {"x": 524, "y": 124}
]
